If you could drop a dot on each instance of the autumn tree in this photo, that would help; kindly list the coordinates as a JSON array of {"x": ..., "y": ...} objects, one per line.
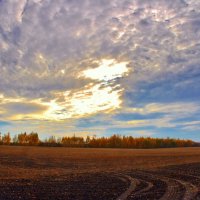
[
  {"x": 23, "y": 138},
  {"x": 73, "y": 141},
  {"x": 114, "y": 141},
  {"x": 6, "y": 139},
  {"x": 33, "y": 139},
  {"x": 1, "y": 139}
]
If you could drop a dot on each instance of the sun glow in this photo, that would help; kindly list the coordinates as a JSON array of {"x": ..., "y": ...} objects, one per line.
[
  {"x": 108, "y": 69},
  {"x": 93, "y": 97},
  {"x": 90, "y": 100},
  {"x": 102, "y": 96}
]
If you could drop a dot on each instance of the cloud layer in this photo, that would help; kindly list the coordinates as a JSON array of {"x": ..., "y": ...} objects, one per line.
[{"x": 84, "y": 61}]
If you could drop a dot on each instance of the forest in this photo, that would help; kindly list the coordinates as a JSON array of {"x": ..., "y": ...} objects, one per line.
[{"x": 114, "y": 141}]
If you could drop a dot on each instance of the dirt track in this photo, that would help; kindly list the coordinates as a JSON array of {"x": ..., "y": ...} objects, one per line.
[
  {"x": 38, "y": 173},
  {"x": 174, "y": 182}
]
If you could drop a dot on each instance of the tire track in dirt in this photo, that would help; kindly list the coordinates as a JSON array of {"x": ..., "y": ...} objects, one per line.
[
  {"x": 171, "y": 191},
  {"x": 187, "y": 181},
  {"x": 133, "y": 185},
  {"x": 178, "y": 182},
  {"x": 143, "y": 190},
  {"x": 147, "y": 186},
  {"x": 176, "y": 189},
  {"x": 191, "y": 190}
]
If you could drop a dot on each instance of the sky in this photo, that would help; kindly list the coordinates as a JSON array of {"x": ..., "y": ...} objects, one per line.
[{"x": 99, "y": 67}]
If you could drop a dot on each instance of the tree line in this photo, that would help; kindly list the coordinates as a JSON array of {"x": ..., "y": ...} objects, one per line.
[{"x": 114, "y": 141}]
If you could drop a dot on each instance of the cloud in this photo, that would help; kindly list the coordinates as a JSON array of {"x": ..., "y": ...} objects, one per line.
[
  {"x": 75, "y": 59},
  {"x": 107, "y": 70},
  {"x": 149, "y": 35},
  {"x": 118, "y": 29},
  {"x": 177, "y": 108},
  {"x": 22, "y": 110},
  {"x": 177, "y": 115},
  {"x": 87, "y": 101}
]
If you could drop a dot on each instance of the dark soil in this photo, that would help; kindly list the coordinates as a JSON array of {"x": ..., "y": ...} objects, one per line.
[{"x": 98, "y": 174}]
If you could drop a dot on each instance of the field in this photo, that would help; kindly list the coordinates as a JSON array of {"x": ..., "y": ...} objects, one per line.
[{"x": 75, "y": 173}]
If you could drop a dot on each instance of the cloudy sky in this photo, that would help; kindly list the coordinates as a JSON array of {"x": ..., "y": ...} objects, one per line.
[{"x": 130, "y": 67}]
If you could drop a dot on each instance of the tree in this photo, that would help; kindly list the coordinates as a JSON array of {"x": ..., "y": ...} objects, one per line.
[
  {"x": 33, "y": 139},
  {"x": 15, "y": 139},
  {"x": 0, "y": 138},
  {"x": 51, "y": 140},
  {"x": 6, "y": 139},
  {"x": 87, "y": 141},
  {"x": 22, "y": 138}
]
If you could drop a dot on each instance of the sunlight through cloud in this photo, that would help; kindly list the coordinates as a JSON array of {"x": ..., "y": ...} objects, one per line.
[
  {"x": 108, "y": 70},
  {"x": 92, "y": 99}
]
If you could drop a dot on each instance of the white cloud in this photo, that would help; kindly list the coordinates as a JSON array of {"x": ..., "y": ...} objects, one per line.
[
  {"x": 169, "y": 115},
  {"x": 91, "y": 99},
  {"x": 178, "y": 108},
  {"x": 108, "y": 70}
]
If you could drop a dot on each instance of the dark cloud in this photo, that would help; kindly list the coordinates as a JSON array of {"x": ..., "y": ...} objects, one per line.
[{"x": 23, "y": 108}]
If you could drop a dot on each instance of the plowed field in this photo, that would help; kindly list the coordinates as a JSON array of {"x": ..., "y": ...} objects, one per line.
[{"x": 73, "y": 173}]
